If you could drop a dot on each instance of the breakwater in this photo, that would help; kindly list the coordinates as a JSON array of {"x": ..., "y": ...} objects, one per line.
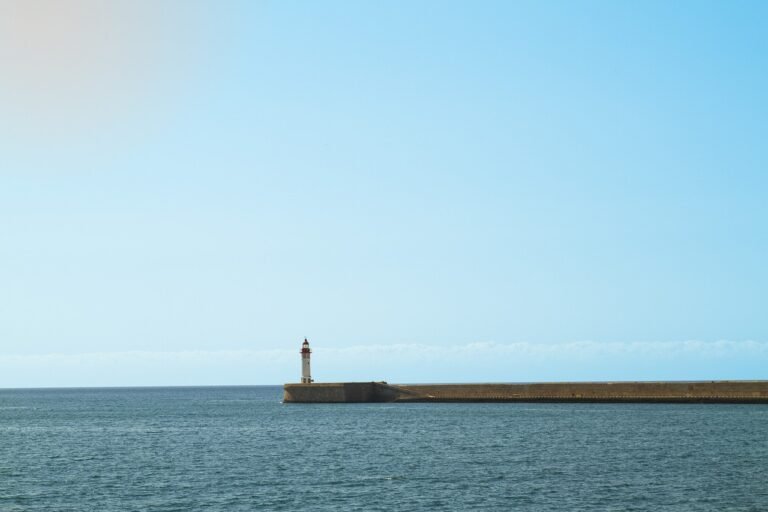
[{"x": 755, "y": 391}]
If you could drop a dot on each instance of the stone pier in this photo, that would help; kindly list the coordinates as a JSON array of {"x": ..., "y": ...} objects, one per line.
[{"x": 755, "y": 391}]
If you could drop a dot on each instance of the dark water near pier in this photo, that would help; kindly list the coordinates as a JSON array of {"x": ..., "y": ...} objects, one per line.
[{"x": 240, "y": 449}]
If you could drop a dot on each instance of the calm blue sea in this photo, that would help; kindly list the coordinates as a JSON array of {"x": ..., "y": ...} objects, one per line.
[{"x": 241, "y": 449}]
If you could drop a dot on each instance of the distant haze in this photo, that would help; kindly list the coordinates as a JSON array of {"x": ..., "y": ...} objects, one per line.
[{"x": 429, "y": 191}]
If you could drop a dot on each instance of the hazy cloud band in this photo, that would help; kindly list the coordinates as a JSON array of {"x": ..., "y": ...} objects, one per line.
[{"x": 404, "y": 362}]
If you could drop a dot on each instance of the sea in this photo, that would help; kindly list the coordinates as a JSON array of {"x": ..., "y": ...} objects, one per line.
[{"x": 242, "y": 449}]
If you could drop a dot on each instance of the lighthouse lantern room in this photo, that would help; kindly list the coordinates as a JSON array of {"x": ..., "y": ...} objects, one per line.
[{"x": 306, "y": 376}]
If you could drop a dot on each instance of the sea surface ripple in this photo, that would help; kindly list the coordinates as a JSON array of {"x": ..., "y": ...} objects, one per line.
[{"x": 241, "y": 449}]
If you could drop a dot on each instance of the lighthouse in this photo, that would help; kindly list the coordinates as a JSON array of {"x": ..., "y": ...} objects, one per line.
[{"x": 306, "y": 376}]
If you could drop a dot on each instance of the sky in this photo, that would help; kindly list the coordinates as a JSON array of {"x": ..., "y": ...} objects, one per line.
[{"x": 429, "y": 191}]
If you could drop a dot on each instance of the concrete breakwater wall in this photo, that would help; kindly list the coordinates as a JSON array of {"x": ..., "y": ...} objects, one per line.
[
  {"x": 339, "y": 392},
  {"x": 670, "y": 392}
]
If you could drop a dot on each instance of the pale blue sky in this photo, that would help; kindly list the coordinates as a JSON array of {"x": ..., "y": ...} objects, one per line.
[{"x": 224, "y": 178}]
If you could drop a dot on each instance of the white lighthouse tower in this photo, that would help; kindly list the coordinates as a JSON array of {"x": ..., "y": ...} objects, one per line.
[{"x": 306, "y": 376}]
